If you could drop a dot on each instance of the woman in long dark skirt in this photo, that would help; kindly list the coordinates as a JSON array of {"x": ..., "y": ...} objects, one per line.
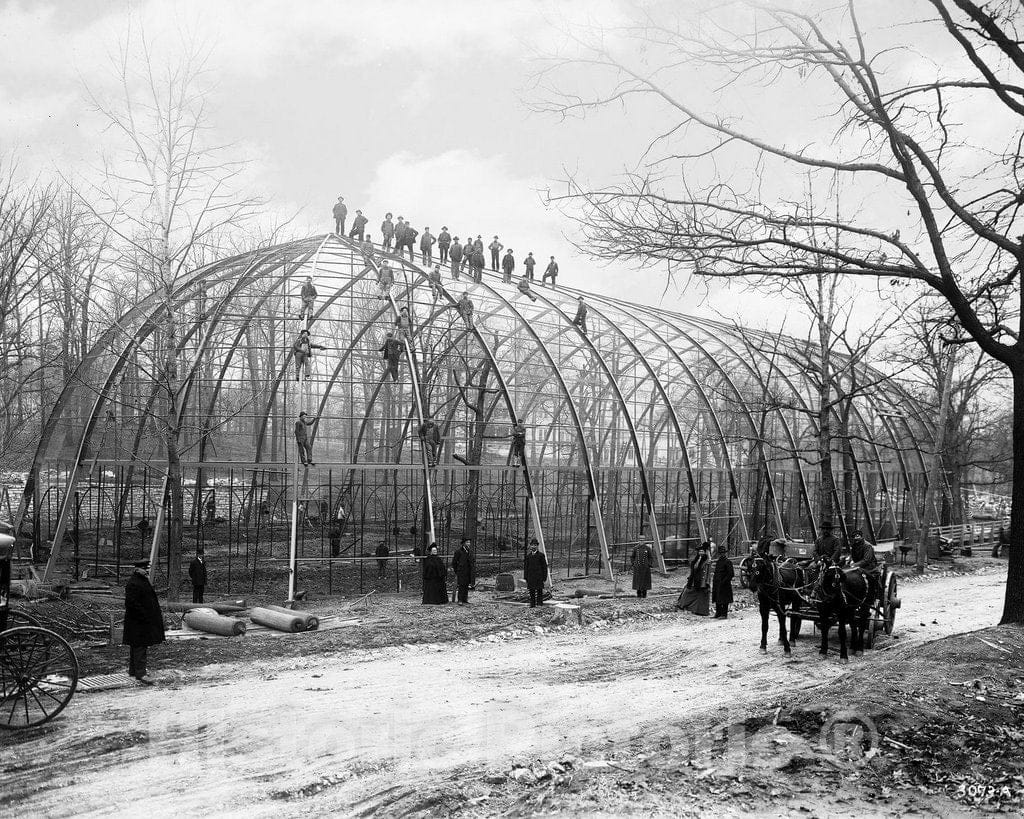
[
  {"x": 435, "y": 588},
  {"x": 696, "y": 599}
]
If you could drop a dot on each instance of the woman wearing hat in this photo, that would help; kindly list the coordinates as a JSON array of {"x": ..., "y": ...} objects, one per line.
[
  {"x": 696, "y": 599},
  {"x": 435, "y": 588},
  {"x": 641, "y": 560}
]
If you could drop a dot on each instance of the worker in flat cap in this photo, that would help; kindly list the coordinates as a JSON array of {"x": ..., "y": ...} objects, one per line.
[
  {"x": 143, "y": 621},
  {"x": 828, "y": 546}
]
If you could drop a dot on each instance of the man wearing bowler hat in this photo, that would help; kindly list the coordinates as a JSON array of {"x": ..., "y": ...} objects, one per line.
[
  {"x": 143, "y": 622},
  {"x": 535, "y": 573}
]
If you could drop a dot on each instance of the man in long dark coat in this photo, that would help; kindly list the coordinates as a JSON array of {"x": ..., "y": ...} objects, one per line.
[
  {"x": 721, "y": 585},
  {"x": 435, "y": 590},
  {"x": 535, "y": 573},
  {"x": 642, "y": 559},
  {"x": 197, "y": 574},
  {"x": 143, "y": 622},
  {"x": 464, "y": 568}
]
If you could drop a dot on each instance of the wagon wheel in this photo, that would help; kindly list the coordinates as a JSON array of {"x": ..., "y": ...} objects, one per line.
[
  {"x": 892, "y": 602},
  {"x": 869, "y": 632},
  {"x": 16, "y": 618},
  {"x": 38, "y": 676}
]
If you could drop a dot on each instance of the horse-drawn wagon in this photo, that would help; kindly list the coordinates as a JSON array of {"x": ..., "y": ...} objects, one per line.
[
  {"x": 38, "y": 667},
  {"x": 787, "y": 582}
]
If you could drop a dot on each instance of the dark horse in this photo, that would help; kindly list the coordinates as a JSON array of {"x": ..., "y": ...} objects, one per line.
[
  {"x": 843, "y": 595},
  {"x": 777, "y": 586}
]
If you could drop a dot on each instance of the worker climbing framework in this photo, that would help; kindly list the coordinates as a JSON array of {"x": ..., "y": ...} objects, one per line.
[{"x": 645, "y": 425}]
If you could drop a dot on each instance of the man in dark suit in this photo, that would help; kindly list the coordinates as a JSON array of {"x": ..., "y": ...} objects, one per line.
[
  {"x": 535, "y": 573},
  {"x": 197, "y": 574},
  {"x": 464, "y": 567},
  {"x": 143, "y": 622}
]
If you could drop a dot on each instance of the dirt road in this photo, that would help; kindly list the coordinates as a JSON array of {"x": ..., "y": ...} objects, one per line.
[{"x": 346, "y": 727}]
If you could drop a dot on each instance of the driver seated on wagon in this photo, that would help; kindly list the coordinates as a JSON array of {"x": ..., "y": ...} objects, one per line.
[{"x": 862, "y": 556}]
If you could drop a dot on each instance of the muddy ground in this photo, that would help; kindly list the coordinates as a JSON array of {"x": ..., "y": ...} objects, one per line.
[{"x": 496, "y": 709}]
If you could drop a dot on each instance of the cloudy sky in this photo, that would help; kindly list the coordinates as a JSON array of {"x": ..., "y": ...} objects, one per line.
[{"x": 417, "y": 108}]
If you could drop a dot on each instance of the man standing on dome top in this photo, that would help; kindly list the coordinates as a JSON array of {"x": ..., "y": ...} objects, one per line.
[
  {"x": 476, "y": 264},
  {"x": 529, "y": 263},
  {"x": 387, "y": 233},
  {"x": 410, "y": 239},
  {"x": 550, "y": 271},
  {"x": 508, "y": 264},
  {"x": 427, "y": 241},
  {"x": 400, "y": 227},
  {"x": 340, "y": 212},
  {"x": 358, "y": 226},
  {"x": 495, "y": 247},
  {"x": 478, "y": 243},
  {"x": 456, "y": 258},
  {"x": 581, "y": 315},
  {"x": 444, "y": 240}
]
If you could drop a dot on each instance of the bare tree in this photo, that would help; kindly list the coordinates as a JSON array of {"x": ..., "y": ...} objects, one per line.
[
  {"x": 166, "y": 196},
  {"x": 903, "y": 147},
  {"x": 24, "y": 210}
]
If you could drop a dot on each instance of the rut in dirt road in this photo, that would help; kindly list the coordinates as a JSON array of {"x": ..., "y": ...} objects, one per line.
[{"x": 403, "y": 713}]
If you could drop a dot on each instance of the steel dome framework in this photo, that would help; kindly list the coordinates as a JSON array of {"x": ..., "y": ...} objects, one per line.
[{"x": 653, "y": 425}]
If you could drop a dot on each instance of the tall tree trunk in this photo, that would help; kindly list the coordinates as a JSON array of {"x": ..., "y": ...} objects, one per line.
[{"x": 1013, "y": 605}]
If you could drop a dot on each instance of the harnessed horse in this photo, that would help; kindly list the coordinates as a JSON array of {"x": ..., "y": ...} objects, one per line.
[
  {"x": 778, "y": 589},
  {"x": 846, "y": 595}
]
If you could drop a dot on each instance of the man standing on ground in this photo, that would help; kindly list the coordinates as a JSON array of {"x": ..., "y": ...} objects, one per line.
[
  {"x": 382, "y": 562},
  {"x": 444, "y": 240},
  {"x": 340, "y": 212},
  {"x": 551, "y": 271},
  {"x": 642, "y": 559},
  {"x": 197, "y": 574},
  {"x": 535, "y": 573},
  {"x": 581, "y": 315},
  {"x": 508, "y": 264},
  {"x": 721, "y": 585},
  {"x": 304, "y": 439},
  {"x": 143, "y": 622},
  {"x": 464, "y": 567},
  {"x": 495, "y": 248},
  {"x": 358, "y": 226}
]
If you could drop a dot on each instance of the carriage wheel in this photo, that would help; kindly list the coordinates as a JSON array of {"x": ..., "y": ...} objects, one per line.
[
  {"x": 16, "y": 618},
  {"x": 869, "y": 632},
  {"x": 892, "y": 602},
  {"x": 38, "y": 676}
]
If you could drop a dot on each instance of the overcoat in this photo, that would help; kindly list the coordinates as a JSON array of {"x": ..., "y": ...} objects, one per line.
[
  {"x": 464, "y": 566},
  {"x": 721, "y": 585},
  {"x": 434, "y": 588},
  {"x": 143, "y": 622},
  {"x": 535, "y": 569},
  {"x": 642, "y": 559}
]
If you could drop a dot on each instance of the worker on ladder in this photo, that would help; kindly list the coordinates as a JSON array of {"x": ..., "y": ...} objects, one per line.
[
  {"x": 430, "y": 436},
  {"x": 392, "y": 351},
  {"x": 308, "y": 296},
  {"x": 404, "y": 323},
  {"x": 518, "y": 443},
  {"x": 304, "y": 439},
  {"x": 303, "y": 350},
  {"x": 386, "y": 279}
]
